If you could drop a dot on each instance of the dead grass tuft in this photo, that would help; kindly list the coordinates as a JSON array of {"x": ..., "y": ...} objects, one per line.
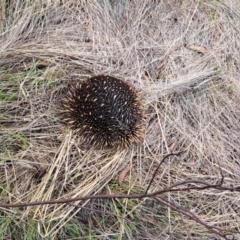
[{"x": 183, "y": 56}]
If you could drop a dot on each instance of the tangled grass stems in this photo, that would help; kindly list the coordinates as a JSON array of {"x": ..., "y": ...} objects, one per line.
[{"x": 182, "y": 56}]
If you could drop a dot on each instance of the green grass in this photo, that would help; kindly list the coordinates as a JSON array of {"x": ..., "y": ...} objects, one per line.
[
  {"x": 128, "y": 216},
  {"x": 19, "y": 139}
]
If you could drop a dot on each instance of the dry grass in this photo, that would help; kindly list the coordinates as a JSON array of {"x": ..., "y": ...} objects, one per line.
[{"x": 183, "y": 56}]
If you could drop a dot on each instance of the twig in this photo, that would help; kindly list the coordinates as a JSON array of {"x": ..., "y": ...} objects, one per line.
[
  {"x": 132, "y": 196},
  {"x": 159, "y": 165},
  {"x": 192, "y": 185},
  {"x": 216, "y": 230}
]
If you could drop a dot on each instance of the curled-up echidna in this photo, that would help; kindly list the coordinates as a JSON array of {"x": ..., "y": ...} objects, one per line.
[{"x": 104, "y": 111}]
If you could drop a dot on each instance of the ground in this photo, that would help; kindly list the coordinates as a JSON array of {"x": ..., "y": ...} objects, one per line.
[{"x": 182, "y": 57}]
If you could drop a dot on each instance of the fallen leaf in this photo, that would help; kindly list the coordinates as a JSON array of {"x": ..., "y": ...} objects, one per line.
[
  {"x": 160, "y": 65},
  {"x": 172, "y": 49},
  {"x": 171, "y": 148},
  {"x": 123, "y": 174},
  {"x": 198, "y": 49},
  {"x": 193, "y": 162},
  {"x": 155, "y": 222}
]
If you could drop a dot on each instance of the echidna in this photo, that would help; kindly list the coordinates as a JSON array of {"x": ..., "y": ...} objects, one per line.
[{"x": 104, "y": 111}]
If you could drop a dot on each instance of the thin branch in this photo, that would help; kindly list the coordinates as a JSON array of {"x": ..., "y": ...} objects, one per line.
[
  {"x": 159, "y": 165},
  {"x": 191, "y": 185},
  {"x": 132, "y": 196},
  {"x": 213, "y": 229}
]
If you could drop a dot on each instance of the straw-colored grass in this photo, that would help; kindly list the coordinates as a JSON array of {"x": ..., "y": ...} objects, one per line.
[{"x": 184, "y": 58}]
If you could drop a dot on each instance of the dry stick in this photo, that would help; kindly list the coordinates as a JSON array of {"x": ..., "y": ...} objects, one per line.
[
  {"x": 217, "y": 230},
  {"x": 159, "y": 165},
  {"x": 133, "y": 196}
]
